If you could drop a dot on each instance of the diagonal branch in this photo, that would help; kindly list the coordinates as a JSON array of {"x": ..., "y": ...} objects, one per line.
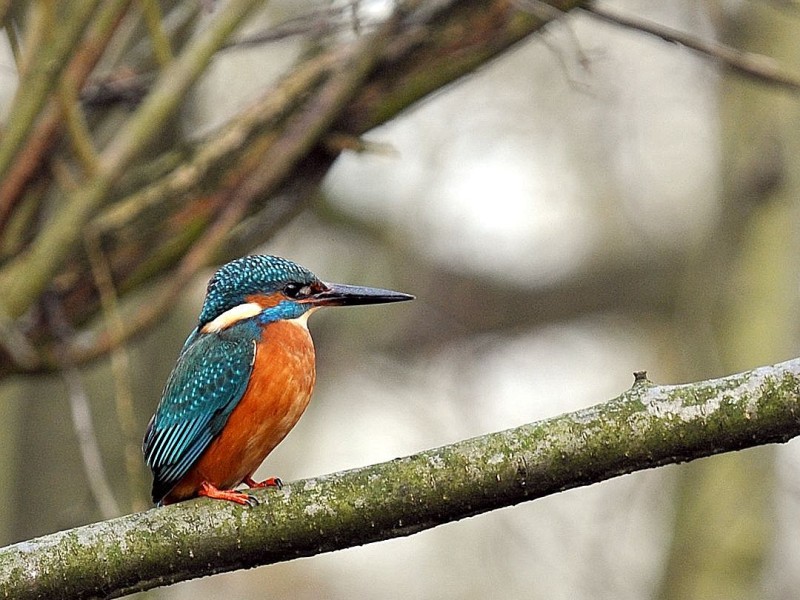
[
  {"x": 300, "y": 134},
  {"x": 47, "y": 66},
  {"x": 428, "y": 49},
  {"x": 42, "y": 137},
  {"x": 764, "y": 69},
  {"x": 645, "y": 427},
  {"x": 149, "y": 219},
  {"x": 25, "y": 277}
]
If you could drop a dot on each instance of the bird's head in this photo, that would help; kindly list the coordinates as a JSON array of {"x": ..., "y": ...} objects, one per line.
[{"x": 273, "y": 288}]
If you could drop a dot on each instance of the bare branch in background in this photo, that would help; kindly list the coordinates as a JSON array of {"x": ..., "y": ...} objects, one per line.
[
  {"x": 121, "y": 370},
  {"x": 761, "y": 68},
  {"x": 82, "y": 421},
  {"x": 87, "y": 443},
  {"x": 417, "y": 58}
]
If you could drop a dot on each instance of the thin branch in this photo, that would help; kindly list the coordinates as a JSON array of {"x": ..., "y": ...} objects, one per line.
[
  {"x": 87, "y": 443},
  {"x": 4, "y": 6},
  {"x": 120, "y": 367},
  {"x": 549, "y": 12},
  {"x": 645, "y": 427},
  {"x": 13, "y": 40},
  {"x": 300, "y": 133},
  {"x": 25, "y": 277},
  {"x": 32, "y": 153},
  {"x": 32, "y": 37},
  {"x": 16, "y": 344},
  {"x": 34, "y": 90},
  {"x": 340, "y": 142},
  {"x": 82, "y": 420},
  {"x": 151, "y": 11},
  {"x": 757, "y": 66},
  {"x": 177, "y": 24},
  {"x": 318, "y": 22},
  {"x": 77, "y": 129}
]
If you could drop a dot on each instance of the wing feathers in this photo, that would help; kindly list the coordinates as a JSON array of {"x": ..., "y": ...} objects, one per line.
[{"x": 206, "y": 385}]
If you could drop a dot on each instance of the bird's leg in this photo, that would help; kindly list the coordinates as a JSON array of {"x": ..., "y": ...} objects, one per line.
[
  {"x": 269, "y": 482},
  {"x": 210, "y": 491}
]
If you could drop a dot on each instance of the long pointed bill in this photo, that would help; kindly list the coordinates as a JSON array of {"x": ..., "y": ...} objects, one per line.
[{"x": 338, "y": 294}]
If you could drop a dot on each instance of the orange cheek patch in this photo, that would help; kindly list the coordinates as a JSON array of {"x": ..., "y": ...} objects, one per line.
[{"x": 266, "y": 300}]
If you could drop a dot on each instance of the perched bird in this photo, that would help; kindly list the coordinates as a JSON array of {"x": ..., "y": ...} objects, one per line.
[{"x": 243, "y": 378}]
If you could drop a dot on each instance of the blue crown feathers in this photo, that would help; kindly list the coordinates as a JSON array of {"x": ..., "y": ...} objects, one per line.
[{"x": 256, "y": 274}]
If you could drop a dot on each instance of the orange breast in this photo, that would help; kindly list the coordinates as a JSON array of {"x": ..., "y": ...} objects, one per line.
[{"x": 275, "y": 399}]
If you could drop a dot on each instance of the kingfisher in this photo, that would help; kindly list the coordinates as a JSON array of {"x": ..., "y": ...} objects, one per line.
[{"x": 243, "y": 378}]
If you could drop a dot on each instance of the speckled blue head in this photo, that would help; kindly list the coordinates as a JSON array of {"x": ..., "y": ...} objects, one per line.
[{"x": 258, "y": 274}]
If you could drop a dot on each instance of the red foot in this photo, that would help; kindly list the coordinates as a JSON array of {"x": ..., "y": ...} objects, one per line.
[
  {"x": 210, "y": 491},
  {"x": 270, "y": 482}
]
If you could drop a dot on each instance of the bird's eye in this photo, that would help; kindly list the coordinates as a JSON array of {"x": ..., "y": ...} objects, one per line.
[{"x": 295, "y": 290}]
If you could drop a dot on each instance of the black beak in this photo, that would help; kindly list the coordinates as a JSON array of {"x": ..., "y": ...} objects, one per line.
[{"x": 338, "y": 294}]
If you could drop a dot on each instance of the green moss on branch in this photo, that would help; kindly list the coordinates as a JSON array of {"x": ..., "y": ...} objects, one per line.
[{"x": 645, "y": 427}]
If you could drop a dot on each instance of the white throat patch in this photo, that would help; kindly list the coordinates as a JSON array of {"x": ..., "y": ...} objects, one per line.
[
  {"x": 232, "y": 316},
  {"x": 302, "y": 320}
]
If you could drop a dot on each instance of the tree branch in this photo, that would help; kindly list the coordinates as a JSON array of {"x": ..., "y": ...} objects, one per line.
[
  {"x": 28, "y": 274},
  {"x": 34, "y": 89},
  {"x": 645, "y": 427},
  {"x": 756, "y": 66},
  {"x": 428, "y": 49}
]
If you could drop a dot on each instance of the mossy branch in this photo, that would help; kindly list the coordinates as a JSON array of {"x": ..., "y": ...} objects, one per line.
[{"x": 645, "y": 427}]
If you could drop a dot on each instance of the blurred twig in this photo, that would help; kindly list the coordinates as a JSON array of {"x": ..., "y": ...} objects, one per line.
[
  {"x": 87, "y": 443},
  {"x": 42, "y": 137},
  {"x": 82, "y": 420},
  {"x": 318, "y": 22},
  {"x": 160, "y": 40},
  {"x": 120, "y": 367},
  {"x": 16, "y": 345},
  {"x": 761, "y": 68},
  {"x": 46, "y": 67},
  {"x": 25, "y": 277}
]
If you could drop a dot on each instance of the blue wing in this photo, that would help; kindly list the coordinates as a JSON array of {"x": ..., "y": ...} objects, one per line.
[{"x": 206, "y": 385}]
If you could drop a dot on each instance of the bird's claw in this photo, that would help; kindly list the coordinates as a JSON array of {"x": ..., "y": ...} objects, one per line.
[
  {"x": 210, "y": 491},
  {"x": 269, "y": 482}
]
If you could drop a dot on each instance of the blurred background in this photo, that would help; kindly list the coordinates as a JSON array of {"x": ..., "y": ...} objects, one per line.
[{"x": 594, "y": 202}]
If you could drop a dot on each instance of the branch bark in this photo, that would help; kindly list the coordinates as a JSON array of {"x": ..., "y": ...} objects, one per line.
[{"x": 645, "y": 427}]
